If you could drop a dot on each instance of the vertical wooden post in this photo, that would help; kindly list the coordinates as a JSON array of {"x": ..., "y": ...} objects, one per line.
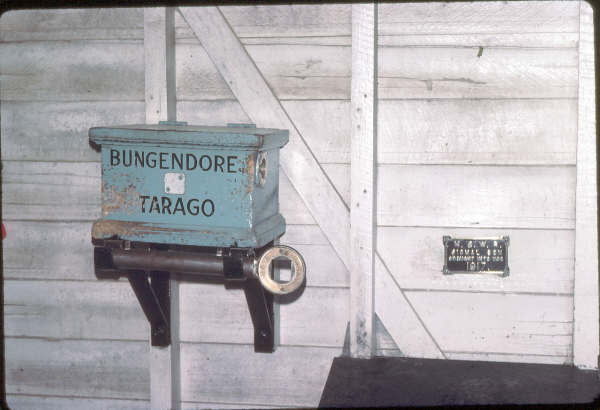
[
  {"x": 159, "y": 60},
  {"x": 585, "y": 322},
  {"x": 363, "y": 169}
]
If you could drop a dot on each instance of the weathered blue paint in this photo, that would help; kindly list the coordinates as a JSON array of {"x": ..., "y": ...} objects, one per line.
[{"x": 224, "y": 201}]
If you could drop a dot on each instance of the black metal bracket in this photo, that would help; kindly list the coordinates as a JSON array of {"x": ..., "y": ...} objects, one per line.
[
  {"x": 260, "y": 304},
  {"x": 154, "y": 294},
  {"x": 152, "y": 289}
]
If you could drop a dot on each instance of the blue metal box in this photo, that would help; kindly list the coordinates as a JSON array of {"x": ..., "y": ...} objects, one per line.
[{"x": 174, "y": 183}]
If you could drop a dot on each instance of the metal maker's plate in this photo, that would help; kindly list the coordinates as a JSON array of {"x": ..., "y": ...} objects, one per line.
[{"x": 476, "y": 255}]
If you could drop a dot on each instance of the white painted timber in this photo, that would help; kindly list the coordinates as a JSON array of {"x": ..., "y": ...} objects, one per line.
[
  {"x": 318, "y": 317},
  {"x": 497, "y": 323},
  {"x": 586, "y": 341},
  {"x": 484, "y": 24},
  {"x": 540, "y": 261},
  {"x": 73, "y": 310},
  {"x": 486, "y": 196},
  {"x": 113, "y": 70},
  {"x": 19, "y": 402},
  {"x": 48, "y": 251},
  {"x": 297, "y": 161},
  {"x": 488, "y": 18},
  {"x": 453, "y": 72},
  {"x": 477, "y": 132},
  {"x": 50, "y": 131},
  {"x": 291, "y": 376},
  {"x": 159, "y": 60},
  {"x": 506, "y": 357},
  {"x": 400, "y": 318},
  {"x": 257, "y": 99},
  {"x": 72, "y": 71},
  {"x": 495, "y": 131},
  {"x": 476, "y": 196},
  {"x": 363, "y": 166},
  {"x": 37, "y": 190},
  {"x": 77, "y": 368}
]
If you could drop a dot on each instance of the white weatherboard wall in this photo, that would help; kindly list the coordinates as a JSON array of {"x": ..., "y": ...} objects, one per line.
[{"x": 477, "y": 133}]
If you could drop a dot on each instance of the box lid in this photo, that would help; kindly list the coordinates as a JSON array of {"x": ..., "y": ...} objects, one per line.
[{"x": 180, "y": 133}]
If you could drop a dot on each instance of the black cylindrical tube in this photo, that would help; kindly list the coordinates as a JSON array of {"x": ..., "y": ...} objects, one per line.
[{"x": 170, "y": 261}]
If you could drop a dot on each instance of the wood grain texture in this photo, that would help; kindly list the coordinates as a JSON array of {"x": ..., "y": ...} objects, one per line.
[
  {"x": 48, "y": 251},
  {"x": 159, "y": 64},
  {"x": 67, "y": 191},
  {"x": 493, "y": 23},
  {"x": 247, "y": 83},
  {"x": 477, "y": 132},
  {"x": 72, "y": 71},
  {"x": 73, "y": 310},
  {"x": 586, "y": 333},
  {"x": 476, "y": 196},
  {"x": 515, "y": 324},
  {"x": 211, "y": 313},
  {"x": 47, "y": 131},
  {"x": 362, "y": 169},
  {"x": 489, "y": 18},
  {"x": 299, "y": 164},
  {"x": 72, "y": 24},
  {"x": 400, "y": 318},
  {"x": 51, "y": 131},
  {"x": 540, "y": 261},
  {"x": 503, "y": 357},
  {"x": 113, "y": 70},
  {"x": 489, "y": 196},
  {"x": 78, "y": 368},
  {"x": 259, "y": 378},
  {"x": 19, "y": 402},
  {"x": 442, "y": 72}
]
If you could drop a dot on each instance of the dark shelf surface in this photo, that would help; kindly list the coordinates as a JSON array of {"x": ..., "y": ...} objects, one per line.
[{"x": 397, "y": 381}]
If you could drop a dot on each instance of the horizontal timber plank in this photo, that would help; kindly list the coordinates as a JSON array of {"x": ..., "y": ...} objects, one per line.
[
  {"x": 215, "y": 405},
  {"x": 46, "y": 131},
  {"x": 72, "y": 24},
  {"x": 453, "y": 36},
  {"x": 519, "y": 358},
  {"x": 78, "y": 71},
  {"x": 489, "y": 17},
  {"x": 84, "y": 368},
  {"x": 484, "y": 23},
  {"x": 51, "y": 190},
  {"x": 317, "y": 317},
  {"x": 19, "y": 402},
  {"x": 477, "y": 132},
  {"x": 72, "y": 71},
  {"x": 48, "y": 250},
  {"x": 447, "y": 131},
  {"x": 73, "y": 310},
  {"x": 234, "y": 373},
  {"x": 472, "y": 72},
  {"x": 540, "y": 261},
  {"x": 511, "y": 324},
  {"x": 476, "y": 196},
  {"x": 55, "y": 131},
  {"x": 487, "y": 196}
]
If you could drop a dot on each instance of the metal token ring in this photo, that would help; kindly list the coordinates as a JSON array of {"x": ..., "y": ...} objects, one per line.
[{"x": 298, "y": 270}]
